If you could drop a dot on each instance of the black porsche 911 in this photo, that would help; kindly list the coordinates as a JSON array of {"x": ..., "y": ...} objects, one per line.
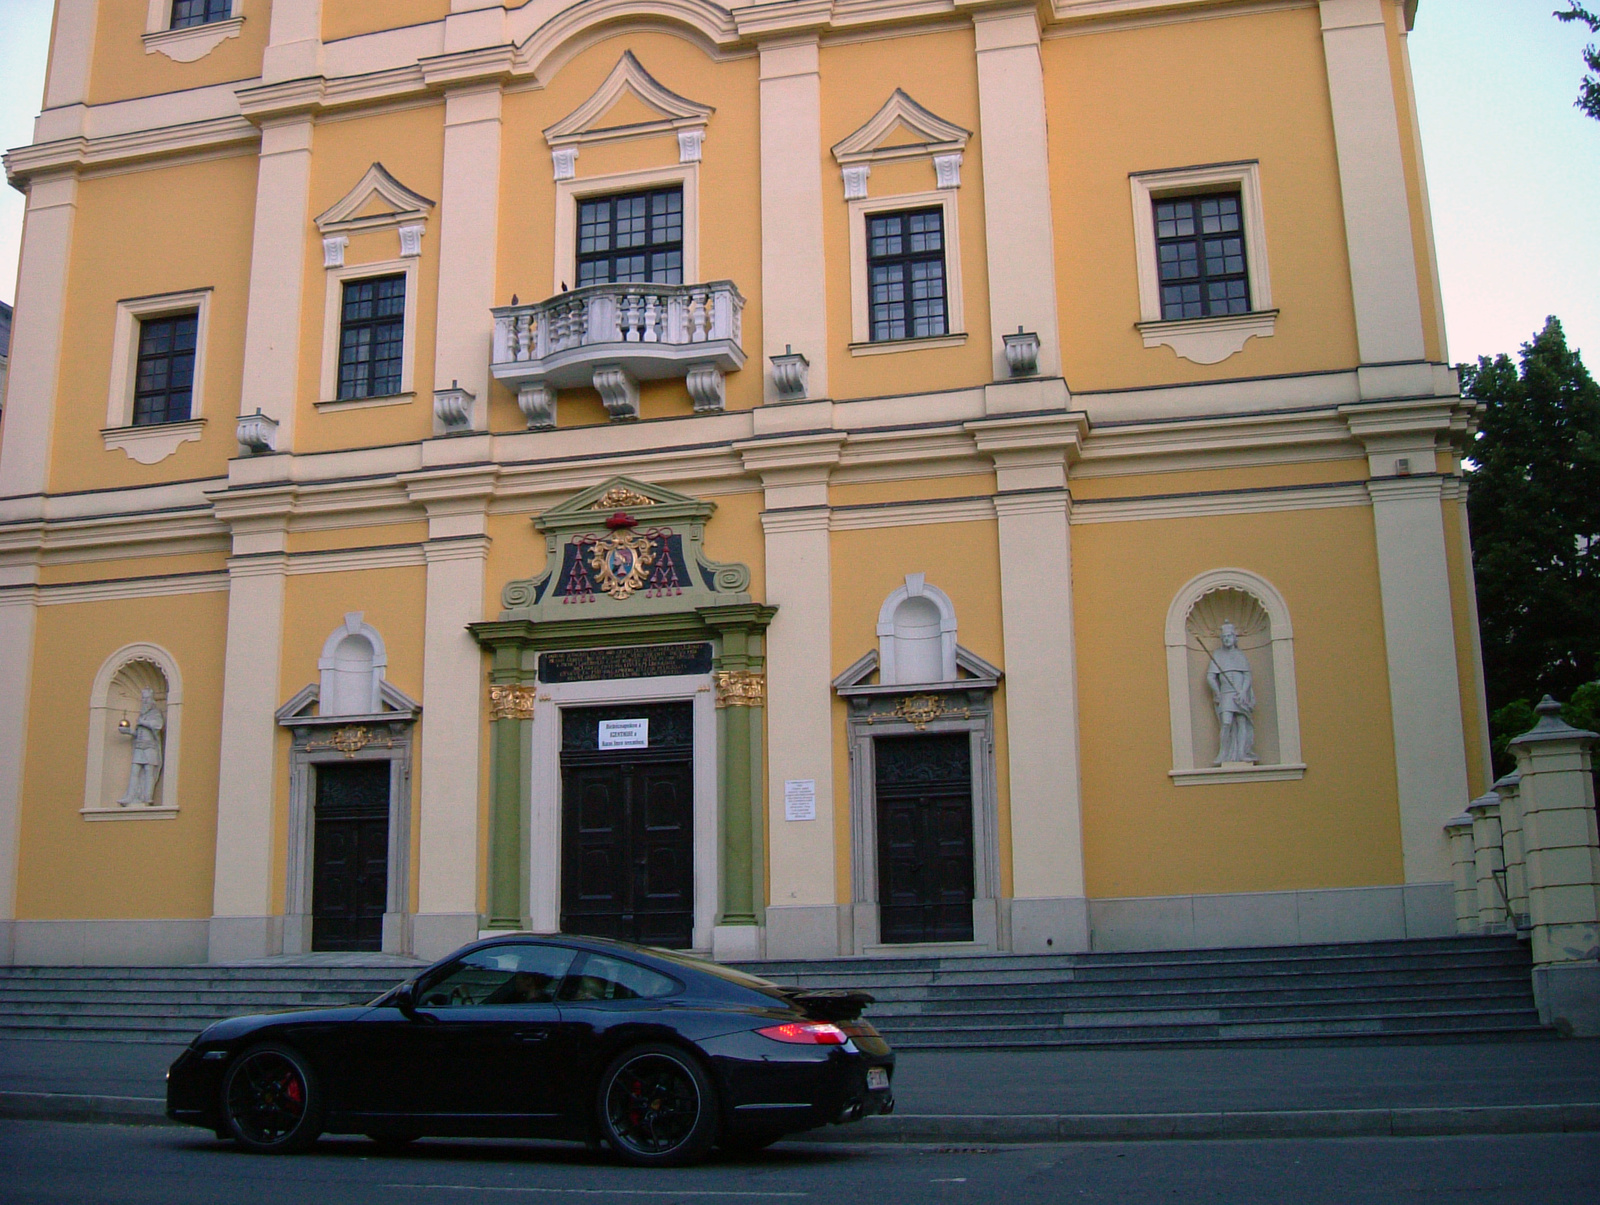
[{"x": 658, "y": 1055}]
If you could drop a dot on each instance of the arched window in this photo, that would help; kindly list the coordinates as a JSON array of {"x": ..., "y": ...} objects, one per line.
[
  {"x": 135, "y": 730},
  {"x": 352, "y": 664},
  {"x": 916, "y": 635},
  {"x": 1230, "y": 681}
]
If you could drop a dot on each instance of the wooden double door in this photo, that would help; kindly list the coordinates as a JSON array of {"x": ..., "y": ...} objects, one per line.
[
  {"x": 350, "y": 856},
  {"x": 924, "y": 820},
  {"x": 627, "y": 827}
]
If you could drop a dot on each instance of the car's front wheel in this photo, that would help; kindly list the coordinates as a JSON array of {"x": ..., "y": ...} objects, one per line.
[
  {"x": 657, "y": 1107},
  {"x": 271, "y": 1101}
]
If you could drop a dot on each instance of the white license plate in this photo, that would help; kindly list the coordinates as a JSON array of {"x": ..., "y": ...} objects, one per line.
[{"x": 877, "y": 1078}]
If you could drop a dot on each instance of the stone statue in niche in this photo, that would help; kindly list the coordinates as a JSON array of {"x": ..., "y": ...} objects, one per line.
[
  {"x": 146, "y": 735},
  {"x": 1228, "y": 675}
]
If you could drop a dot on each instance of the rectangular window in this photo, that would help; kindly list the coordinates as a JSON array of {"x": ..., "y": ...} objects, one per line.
[
  {"x": 1200, "y": 255},
  {"x": 163, "y": 390},
  {"x": 200, "y": 12},
  {"x": 636, "y": 236},
  {"x": 372, "y": 337},
  {"x": 905, "y": 274}
]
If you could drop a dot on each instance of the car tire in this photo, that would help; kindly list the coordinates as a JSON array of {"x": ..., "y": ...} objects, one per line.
[
  {"x": 271, "y": 1101},
  {"x": 657, "y": 1107}
]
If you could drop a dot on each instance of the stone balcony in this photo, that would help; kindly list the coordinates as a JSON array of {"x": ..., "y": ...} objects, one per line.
[{"x": 612, "y": 336}]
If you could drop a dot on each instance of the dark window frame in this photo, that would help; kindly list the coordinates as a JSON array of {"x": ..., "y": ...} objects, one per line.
[
  {"x": 187, "y": 14},
  {"x": 1202, "y": 255},
  {"x": 628, "y": 237},
  {"x": 899, "y": 255},
  {"x": 167, "y": 349},
  {"x": 372, "y": 326}
]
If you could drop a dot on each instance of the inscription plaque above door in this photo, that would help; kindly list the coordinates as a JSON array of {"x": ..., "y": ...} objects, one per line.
[{"x": 639, "y": 661}]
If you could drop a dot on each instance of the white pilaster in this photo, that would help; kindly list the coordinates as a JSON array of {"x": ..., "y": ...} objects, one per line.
[
  {"x": 1424, "y": 686},
  {"x": 18, "y": 619},
  {"x": 71, "y": 53},
  {"x": 454, "y": 684},
  {"x": 1049, "y": 913},
  {"x": 1377, "y": 211},
  {"x": 277, "y": 273},
  {"x": 1016, "y": 185},
  {"x": 30, "y": 402},
  {"x": 469, "y": 216},
  {"x": 802, "y": 911},
  {"x": 793, "y": 293},
  {"x": 294, "y": 42},
  {"x": 242, "y": 923}
]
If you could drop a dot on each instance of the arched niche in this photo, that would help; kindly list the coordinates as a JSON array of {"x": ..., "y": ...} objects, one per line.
[
  {"x": 916, "y": 635},
  {"x": 1260, "y": 619},
  {"x": 352, "y": 664},
  {"x": 114, "y": 705}
]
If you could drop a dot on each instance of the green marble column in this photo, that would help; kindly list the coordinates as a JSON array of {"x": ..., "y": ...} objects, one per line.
[{"x": 741, "y": 691}]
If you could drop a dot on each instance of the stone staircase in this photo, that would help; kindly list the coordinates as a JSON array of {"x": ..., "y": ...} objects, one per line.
[{"x": 1450, "y": 989}]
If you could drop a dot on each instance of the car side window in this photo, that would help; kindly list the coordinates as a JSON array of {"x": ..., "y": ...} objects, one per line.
[
  {"x": 509, "y": 974},
  {"x": 603, "y": 978}
]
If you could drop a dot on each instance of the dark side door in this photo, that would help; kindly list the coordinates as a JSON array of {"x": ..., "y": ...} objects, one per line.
[
  {"x": 924, "y": 793},
  {"x": 627, "y": 826},
  {"x": 350, "y": 855}
]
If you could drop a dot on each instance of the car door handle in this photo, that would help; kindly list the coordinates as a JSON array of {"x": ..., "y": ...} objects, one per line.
[{"x": 532, "y": 1035}]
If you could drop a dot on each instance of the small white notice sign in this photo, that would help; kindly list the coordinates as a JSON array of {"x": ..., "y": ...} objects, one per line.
[
  {"x": 800, "y": 799},
  {"x": 624, "y": 734}
]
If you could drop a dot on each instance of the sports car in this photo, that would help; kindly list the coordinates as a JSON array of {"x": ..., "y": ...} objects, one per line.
[{"x": 655, "y": 1054}]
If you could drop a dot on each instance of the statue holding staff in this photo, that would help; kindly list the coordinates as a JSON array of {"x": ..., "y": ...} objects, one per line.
[{"x": 1232, "y": 691}]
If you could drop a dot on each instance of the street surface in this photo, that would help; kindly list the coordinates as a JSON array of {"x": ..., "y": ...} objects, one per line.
[{"x": 65, "y": 1164}]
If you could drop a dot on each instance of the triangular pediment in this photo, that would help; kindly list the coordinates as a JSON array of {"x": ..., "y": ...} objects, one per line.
[
  {"x": 377, "y": 201},
  {"x": 972, "y": 673},
  {"x": 393, "y": 704},
  {"x": 901, "y": 129},
  {"x": 629, "y": 103},
  {"x": 645, "y": 502}
]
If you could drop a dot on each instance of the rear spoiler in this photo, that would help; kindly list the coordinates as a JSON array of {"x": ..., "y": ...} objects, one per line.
[{"x": 827, "y": 1004}]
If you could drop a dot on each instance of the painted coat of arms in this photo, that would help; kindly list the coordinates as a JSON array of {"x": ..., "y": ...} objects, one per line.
[{"x": 621, "y": 560}]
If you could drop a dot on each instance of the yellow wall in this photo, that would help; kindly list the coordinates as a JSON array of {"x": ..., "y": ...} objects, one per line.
[
  {"x": 165, "y": 230},
  {"x": 1337, "y": 827},
  {"x": 1150, "y": 99},
  {"x": 72, "y": 868},
  {"x": 351, "y": 18},
  {"x": 124, "y": 68}
]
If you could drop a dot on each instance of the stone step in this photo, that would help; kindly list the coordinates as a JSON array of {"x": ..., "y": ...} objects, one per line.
[
  {"x": 1135, "y": 1012},
  {"x": 1368, "y": 997}
]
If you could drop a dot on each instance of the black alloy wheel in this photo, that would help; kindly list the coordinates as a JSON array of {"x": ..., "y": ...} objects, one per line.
[
  {"x": 271, "y": 1103},
  {"x": 657, "y": 1107}
]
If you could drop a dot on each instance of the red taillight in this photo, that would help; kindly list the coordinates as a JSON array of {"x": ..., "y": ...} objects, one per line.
[{"x": 806, "y": 1033}]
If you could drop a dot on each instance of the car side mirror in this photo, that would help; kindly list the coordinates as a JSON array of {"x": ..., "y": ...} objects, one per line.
[{"x": 405, "y": 999}]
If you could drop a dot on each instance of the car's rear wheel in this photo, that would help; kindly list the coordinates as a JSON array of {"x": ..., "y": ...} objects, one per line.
[
  {"x": 657, "y": 1107},
  {"x": 271, "y": 1101}
]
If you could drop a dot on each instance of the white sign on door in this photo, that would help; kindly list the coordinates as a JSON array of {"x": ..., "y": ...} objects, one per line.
[
  {"x": 800, "y": 799},
  {"x": 624, "y": 734}
]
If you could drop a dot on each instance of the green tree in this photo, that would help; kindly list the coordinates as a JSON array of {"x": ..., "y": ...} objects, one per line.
[
  {"x": 1589, "y": 90},
  {"x": 1534, "y": 503}
]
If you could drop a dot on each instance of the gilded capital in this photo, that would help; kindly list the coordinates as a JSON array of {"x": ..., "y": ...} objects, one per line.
[
  {"x": 511, "y": 702},
  {"x": 740, "y": 688}
]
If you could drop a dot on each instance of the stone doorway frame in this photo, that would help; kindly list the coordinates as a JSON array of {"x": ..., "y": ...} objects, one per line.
[
  {"x": 925, "y": 709},
  {"x": 384, "y": 736}
]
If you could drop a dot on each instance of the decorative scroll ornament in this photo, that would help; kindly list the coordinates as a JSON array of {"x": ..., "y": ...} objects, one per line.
[
  {"x": 351, "y": 740},
  {"x": 619, "y": 497},
  {"x": 621, "y": 561},
  {"x": 741, "y": 688},
  {"x": 921, "y": 710},
  {"x": 511, "y": 702}
]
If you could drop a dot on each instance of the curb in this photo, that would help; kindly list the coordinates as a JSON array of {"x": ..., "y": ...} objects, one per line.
[
  {"x": 1311, "y": 1123},
  {"x": 1027, "y": 1127}
]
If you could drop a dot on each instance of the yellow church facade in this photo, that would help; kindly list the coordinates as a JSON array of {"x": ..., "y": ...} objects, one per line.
[{"x": 818, "y": 478}]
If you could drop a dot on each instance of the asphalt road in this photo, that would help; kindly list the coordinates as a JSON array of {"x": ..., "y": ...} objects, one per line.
[{"x": 52, "y": 1162}]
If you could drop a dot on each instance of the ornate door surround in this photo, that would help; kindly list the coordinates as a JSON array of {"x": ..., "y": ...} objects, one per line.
[{"x": 964, "y": 705}]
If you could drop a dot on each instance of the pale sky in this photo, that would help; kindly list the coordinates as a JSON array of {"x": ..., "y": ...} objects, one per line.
[{"x": 1513, "y": 168}]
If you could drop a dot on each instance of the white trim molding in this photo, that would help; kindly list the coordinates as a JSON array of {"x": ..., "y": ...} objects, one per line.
[
  {"x": 155, "y": 442},
  {"x": 941, "y": 142},
  {"x": 102, "y": 724},
  {"x": 190, "y": 43},
  {"x": 860, "y": 321},
  {"x": 407, "y": 215},
  {"x": 332, "y": 669},
  {"x": 570, "y": 192},
  {"x": 890, "y": 672},
  {"x": 1202, "y": 340},
  {"x": 678, "y": 114},
  {"x": 333, "y": 307},
  {"x": 1179, "y": 696}
]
